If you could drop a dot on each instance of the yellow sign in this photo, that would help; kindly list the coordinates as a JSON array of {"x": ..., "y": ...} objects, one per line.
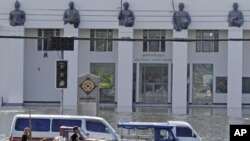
[{"x": 87, "y": 86}]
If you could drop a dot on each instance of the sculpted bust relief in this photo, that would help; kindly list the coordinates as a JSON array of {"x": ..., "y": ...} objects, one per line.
[
  {"x": 17, "y": 17},
  {"x": 126, "y": 17},
  {"x": 235, "y": 17},
  {"x": 71, "y": 15},
  {"x": 181, "y": 19}
]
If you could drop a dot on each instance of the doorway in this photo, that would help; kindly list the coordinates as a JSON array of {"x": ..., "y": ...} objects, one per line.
[
  {"x": 154, "y": 83},
  {"x": 202, "y": 83}
]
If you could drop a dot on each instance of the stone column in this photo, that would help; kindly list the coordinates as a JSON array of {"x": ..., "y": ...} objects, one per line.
[
  {"x": 70, "y": 94},
  {"x": 125, "y": 70},
  {"x": 179, "y": 87},
  {"x": 15, "y": 64},
  {"x": 234, "y": 71},
  {"x": 4, "y": 58}
]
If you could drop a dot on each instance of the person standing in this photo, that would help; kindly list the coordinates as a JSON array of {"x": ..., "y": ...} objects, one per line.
[
  {"x": 76, "y": 135},
  {"x": 26, "y": 134}
]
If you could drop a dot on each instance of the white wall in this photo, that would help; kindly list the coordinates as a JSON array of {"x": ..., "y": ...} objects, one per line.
[
  {"x": 39, "y": 72},
  {"x": 4, "y": 70}
]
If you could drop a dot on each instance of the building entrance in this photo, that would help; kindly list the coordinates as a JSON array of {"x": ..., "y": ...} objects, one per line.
[{"x": 153, "y": 83}]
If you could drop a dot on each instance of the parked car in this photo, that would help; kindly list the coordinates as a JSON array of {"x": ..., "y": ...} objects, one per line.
[{"x": 184, "y": 131}]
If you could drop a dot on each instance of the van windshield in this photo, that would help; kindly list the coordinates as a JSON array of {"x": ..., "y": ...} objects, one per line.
[
  {"x": 183, "y": 132},
  {"x": 37, "y": 124}
]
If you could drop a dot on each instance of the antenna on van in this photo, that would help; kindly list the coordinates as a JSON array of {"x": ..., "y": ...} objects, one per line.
[{"x": 30, "y": 126}]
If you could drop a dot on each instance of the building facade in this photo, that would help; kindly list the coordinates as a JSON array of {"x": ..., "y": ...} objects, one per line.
[{"x": 142, "y": 72}]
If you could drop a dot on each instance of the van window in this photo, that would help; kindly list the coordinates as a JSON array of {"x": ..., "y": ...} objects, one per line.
[
  {"x": 183, "y": 132},
  {"x": 56, "y": 123},
  {"x": 95, "y": 126},
  {"x": 42, "y": 125}
]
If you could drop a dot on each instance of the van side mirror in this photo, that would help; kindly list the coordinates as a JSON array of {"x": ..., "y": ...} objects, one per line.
[
  {"x": 194, "y": 136},
  {"x": 107, "y": 130}
]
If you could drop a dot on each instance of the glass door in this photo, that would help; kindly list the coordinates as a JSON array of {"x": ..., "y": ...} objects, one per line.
[
  {"x": 202, "y": 83},
  {"x": 154, "y": 83}
]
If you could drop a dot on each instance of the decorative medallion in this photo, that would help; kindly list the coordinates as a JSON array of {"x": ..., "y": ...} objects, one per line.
[{"x": 87, "y": 86}]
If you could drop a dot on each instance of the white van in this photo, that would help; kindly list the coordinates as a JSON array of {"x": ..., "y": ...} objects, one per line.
[
  {"x": 48, "y": 126},
  {"x": 184, "y": 131}
]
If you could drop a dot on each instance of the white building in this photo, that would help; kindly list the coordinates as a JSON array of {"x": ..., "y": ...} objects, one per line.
[{"x": 174, "y": 73}]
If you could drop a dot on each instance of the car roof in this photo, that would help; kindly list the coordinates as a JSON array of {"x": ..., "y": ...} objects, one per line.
[
  {"x": 144, "y": 125},
  {"x": 179, "y": 123},
  {"x": 57, "y": 116}
]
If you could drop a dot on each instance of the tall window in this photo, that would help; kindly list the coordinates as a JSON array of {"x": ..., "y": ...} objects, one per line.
[
  {"x": 246, "y": 85},
  {"x": 207, "y": 46},
  {"x": 202, "y": 83},
  {"x": 154, "y": 46},
  {"x": 43, "y": 44},
  {"x": 101, "y": 45},
  {"x": 221, "y": 84},
  {"x": 106, "y": 72}
]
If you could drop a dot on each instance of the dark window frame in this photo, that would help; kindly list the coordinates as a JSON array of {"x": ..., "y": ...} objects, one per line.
[
  {"x": 42, "y": 126},
  {"x": 221, "y": 84},
  {"x": 200, "y": 45},
  {"x": 108, "y": 44},
  {"x": 43, "y": 44},
  {"x": 148, "y": 45},
  {"x": 190, "y": 134},
  {"x": 245, "y": 87},
  {"x": 91, "y": 125},
  {"x": 64, "y": 122}
]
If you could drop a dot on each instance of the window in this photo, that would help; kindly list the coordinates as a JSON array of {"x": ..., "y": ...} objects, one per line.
[
  {"x": 101, "y": 45},
  {"x": 202, "y": 83},
  {"x": 56, "y": 123},
  {"x": 154, "y": 80},
  {"x": 207, "y": 46},
  {"x": 183, "y": 132},
  {"x": 154, "y": 46},
  {"x": 95, "y": 126},
  {"x": 42, "y": 125},
  {"x": 246, "y": 85},
  {"x": 43, "y": 44},
  {"x": 221, "y": 84},
  {"x": 106, "y": 72}
]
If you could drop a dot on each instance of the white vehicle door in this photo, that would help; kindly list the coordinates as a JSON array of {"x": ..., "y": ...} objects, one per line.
[{"x": 185, "y": 134}]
